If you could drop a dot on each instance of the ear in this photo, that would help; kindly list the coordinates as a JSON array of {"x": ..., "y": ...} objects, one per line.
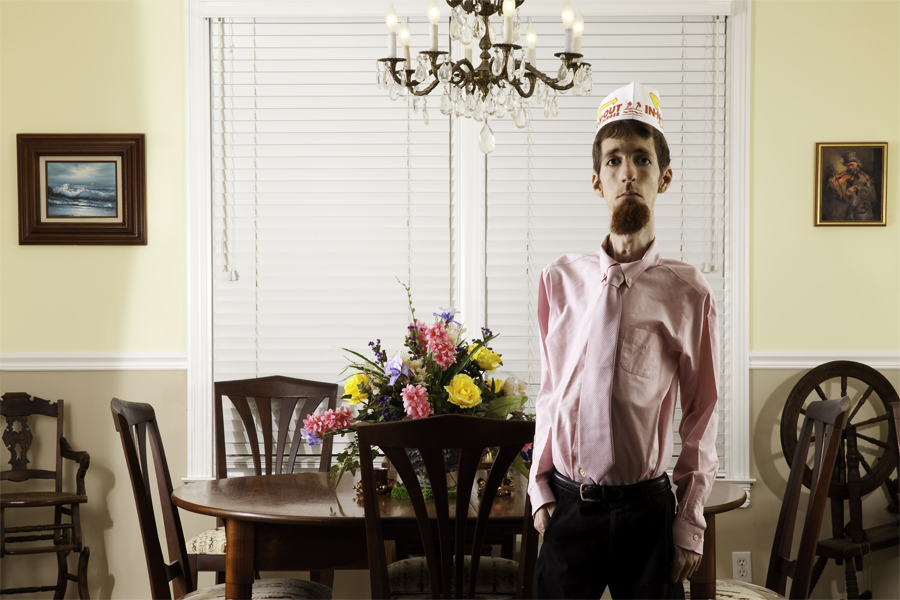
[
  {"x": 665, "y": 179},
  {"x": 595, "y": 183}
]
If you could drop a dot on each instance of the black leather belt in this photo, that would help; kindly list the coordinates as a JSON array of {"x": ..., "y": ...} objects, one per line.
[{"x": 590, "y": 492}]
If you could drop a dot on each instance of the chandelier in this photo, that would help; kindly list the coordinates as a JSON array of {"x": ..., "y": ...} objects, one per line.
[{"x": 505, "y": 81}]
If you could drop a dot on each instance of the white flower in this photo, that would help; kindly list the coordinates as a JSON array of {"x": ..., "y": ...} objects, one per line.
[
  {"x": 456, "y": 333},
  {"x": 514, "y": 387},
  {"x": 418, "y": 371}
]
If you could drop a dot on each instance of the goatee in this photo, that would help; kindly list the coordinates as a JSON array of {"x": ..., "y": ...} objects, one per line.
[{"x": 629, "y": 217}]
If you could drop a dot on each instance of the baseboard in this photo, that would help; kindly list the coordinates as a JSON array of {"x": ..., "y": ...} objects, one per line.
[
  {"x": 764, "y": 359},
  {"x": 93, "y": 361}
]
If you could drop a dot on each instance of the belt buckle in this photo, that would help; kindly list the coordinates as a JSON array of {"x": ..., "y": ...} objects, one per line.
[{"x": 581, "y": 494}]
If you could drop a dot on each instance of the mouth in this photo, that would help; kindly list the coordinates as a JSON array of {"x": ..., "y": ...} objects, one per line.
[{"x": 627, "y": 195}]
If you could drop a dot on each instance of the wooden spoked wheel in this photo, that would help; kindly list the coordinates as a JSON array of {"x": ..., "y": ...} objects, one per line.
[{"x": 870, "y": 394}]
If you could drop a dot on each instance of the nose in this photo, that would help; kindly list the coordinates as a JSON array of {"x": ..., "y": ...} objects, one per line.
[{"x": 627, "y": 170}]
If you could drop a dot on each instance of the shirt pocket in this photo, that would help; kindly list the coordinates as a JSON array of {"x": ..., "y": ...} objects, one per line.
[{"x": 641, "y": 353}]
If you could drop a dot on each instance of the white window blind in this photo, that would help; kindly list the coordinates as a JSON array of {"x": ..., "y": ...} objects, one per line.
[
  {"x": 325, "y": 192},
  {"x": 540, "y": 204}
]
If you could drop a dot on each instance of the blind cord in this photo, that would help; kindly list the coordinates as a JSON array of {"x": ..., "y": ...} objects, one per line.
[{"x": 255, "y": 206}]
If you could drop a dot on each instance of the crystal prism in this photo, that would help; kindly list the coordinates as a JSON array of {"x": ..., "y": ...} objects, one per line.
[
  {"x": 479, "y": 28},
  {"x": 562, "y": 73},
  {"x": 521, "y": 120},
  {"x": 486, "y": 139},
  {"x": 511, "y": 68},
  {"x": 501, "y": 111},
  {"x": 459, "y": 106},
  {"x": 415, "y": 105},
  {"x": 444, "y": 72},
  {"x": 588, "y": 86},
  {"x": 478, "y": 113},
  {"x": 446, "y": 104},
  {"x": 554, "y": 108},
  {"x": 467, "y": 35},
  {"x": 470, "y": 102},
  {"x": 497, "y": 65},
  {"x": 577, "y": 90},
  {"x": 489, "y": 105},
  {"x": 421, "y": 74},
  {"x": 394, "y": 91},
  {"x": 579, "y": 78},
  {"x": 502, "y": 96},
  {"x": 425, "y": 116},
  {"x": 547, "y": 110}
]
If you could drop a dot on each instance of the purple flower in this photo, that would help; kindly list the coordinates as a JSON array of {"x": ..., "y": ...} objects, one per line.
[
  {"x": 447, "y": 314},
  {"x": 395, "y": 368},
  {"x": 310, "y": 438}
]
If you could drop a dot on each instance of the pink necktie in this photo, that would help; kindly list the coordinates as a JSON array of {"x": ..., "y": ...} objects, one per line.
[{"x": 595, "y": 407}]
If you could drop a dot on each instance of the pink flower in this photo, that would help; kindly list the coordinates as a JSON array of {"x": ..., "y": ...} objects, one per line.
[
  {"x": 439, "y": 343},
  {"x": 415, "y": 401},
  {"x": 329, "y": 421},
  {"x": 527, "y": 447}
]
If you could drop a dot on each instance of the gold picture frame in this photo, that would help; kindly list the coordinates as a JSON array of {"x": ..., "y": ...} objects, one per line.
[{"x": 851, "y": 184}]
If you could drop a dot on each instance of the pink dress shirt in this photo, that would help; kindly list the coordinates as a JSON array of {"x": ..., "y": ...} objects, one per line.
[{"x": 668, "y": 336}]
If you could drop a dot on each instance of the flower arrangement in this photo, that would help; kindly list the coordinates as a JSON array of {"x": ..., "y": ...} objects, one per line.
[{"x": 437, "y": 372}]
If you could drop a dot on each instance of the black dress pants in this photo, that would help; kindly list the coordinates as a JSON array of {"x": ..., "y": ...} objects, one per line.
[{"x": 624, "y": 544}]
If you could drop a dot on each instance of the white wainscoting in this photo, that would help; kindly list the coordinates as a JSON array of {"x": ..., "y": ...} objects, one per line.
[
  {"x": 807, "y": 360},
  {"x": 93, "y": 361}
]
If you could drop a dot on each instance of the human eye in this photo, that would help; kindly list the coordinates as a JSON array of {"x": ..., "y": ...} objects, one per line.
[{"x": 612, "y": 161}]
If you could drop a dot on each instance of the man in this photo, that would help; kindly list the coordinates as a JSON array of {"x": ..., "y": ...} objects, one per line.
[
  {"x": 621, "y": 331},
  {"x": 853, "y": 194}
]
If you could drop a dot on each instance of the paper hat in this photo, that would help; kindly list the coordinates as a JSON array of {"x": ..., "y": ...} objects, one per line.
[{"x": 634, "y": 101}]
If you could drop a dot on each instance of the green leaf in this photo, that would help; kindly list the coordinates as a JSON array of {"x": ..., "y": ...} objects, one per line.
[
  {"x": 377, "y": 368},
  {"x": 499, "y": 408},
  {"x": 519, "y": 465}
]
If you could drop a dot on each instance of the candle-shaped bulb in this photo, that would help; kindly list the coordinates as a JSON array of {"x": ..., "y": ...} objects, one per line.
[
  {"x": 391, "y": 19},
  {"x": 434, "y": 12},
  {"x": 568, "y": 15},
  {"x": 403, "y": 32},
  {"x": 531, "y": 36},
  {"x": 509, "y": 8},
  {"x": 578, "y": 26}
]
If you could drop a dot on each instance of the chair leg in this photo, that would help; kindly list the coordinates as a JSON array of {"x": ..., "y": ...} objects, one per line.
[
  {"x": 326, "y": 578},
  {"x": 817, "y": 571},
  {"x": 82, "y": 573},
  {"x": 62, "y": 577},
  {"x": 850, "y": 576}
]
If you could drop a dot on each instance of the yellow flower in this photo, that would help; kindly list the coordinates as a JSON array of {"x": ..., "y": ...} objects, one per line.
[
  {"x": 497, "y": 384},
  {"x": 463, "y": 391},
  {"x": 484, "y": 358},
  {"x": 352, "y": 386}
]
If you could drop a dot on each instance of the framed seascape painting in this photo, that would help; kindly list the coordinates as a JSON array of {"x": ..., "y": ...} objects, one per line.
[
  {"x": 82, "y": 189},
  {"x": 851, "y": 184}
]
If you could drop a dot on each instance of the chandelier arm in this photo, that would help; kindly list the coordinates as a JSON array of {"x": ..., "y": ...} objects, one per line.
[
  {"x": 530, "y": 77},
  {"x": 393, "y": 68},
  {"x": 462, "y": 74},
  {"x": 426, "y": 91}
]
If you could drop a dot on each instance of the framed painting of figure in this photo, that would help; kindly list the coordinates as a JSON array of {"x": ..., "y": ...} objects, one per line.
[
  {"x": 851, "y": 183},
  {"x": 81, "y": 189}
]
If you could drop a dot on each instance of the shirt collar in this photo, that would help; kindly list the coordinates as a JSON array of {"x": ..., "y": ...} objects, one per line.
[{"x": 632, "y": 270}]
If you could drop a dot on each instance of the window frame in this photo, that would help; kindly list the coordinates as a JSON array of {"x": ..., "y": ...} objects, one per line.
[{"x": 470, "y": 183}]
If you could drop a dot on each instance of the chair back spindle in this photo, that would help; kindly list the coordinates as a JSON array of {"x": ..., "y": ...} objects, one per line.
[
  {"x": 445, "y": 544},
  {"x": 263, "y": 392}
]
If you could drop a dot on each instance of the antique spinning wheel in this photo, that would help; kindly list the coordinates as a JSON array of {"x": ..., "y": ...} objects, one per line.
[{"x": 870, "y": 395}]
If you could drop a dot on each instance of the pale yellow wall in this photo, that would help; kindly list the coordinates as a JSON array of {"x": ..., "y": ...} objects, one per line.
[
  {"x": 822, "y": 72},
  {"x": 96, "y": 67}
]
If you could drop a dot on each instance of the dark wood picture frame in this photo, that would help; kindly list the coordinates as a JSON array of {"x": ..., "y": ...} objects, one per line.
[
  {"x": 851, "y": 184},
  {"x": 127, "y": 224}
]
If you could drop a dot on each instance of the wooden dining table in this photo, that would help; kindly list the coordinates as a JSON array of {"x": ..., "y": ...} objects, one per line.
[
  {"x": 723, "y": 498},
  {"x": 303, "y": 522}
]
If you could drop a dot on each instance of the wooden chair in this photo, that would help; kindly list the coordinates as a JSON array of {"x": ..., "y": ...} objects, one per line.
[
  {"x": 824, "y": 422},
  {"x": 206, "y": 551},
  {"x": 17, "y": 408},
  {"x": 136, "y": 422},
  {"x": 447, "y": 570}
]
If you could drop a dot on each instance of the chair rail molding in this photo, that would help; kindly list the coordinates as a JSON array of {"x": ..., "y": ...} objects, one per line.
[
  {"x": 808, "y": 359},
  {"x": 93, "y": 361}
]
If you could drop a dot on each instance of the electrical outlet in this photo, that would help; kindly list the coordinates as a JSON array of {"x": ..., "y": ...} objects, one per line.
[{"x": 740, "y": 564}]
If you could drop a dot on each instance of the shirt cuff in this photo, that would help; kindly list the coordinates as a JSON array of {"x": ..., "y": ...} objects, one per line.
[
  {"x": 688, "y": 536},
  {"x": 541, "y": 494}
]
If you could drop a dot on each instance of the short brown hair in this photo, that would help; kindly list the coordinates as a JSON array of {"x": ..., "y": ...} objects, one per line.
[{"x": 631, "y": 128}]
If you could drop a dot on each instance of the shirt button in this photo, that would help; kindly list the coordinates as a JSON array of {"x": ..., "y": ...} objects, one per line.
[
  {"x": 629, "y": 281},
  {"x": 581, "y": 471},
  {"x": 696, "y": 537},
  {"x": 604, "y": 277}
]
